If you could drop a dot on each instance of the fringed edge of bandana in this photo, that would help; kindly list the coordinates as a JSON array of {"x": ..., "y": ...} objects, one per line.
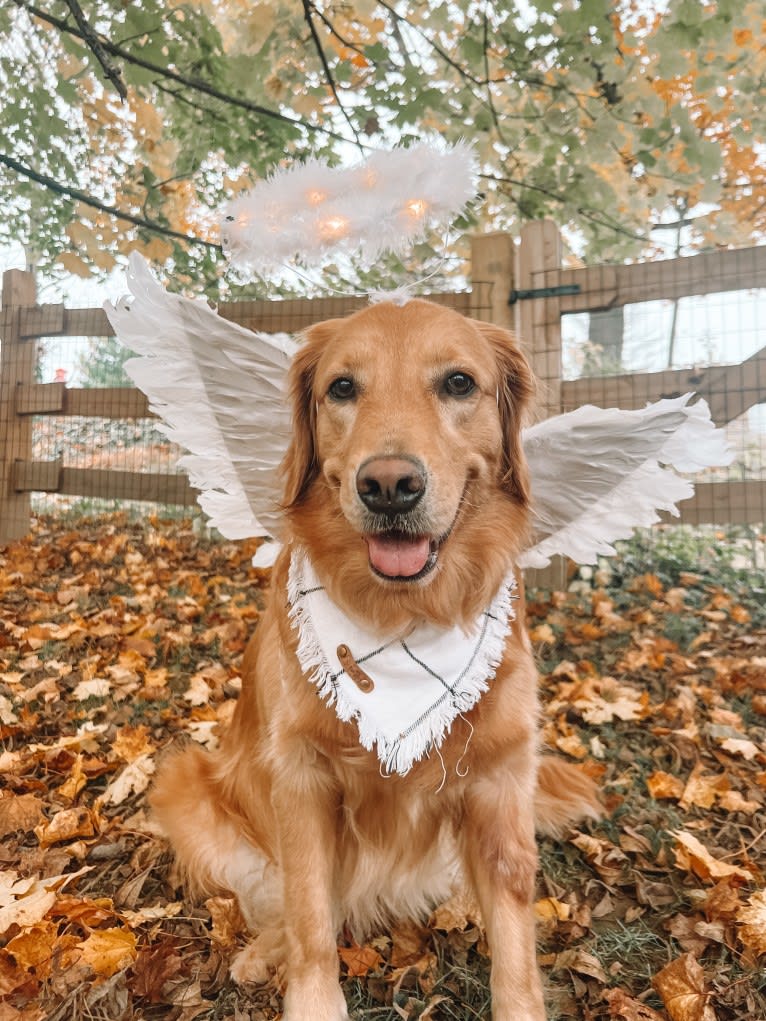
[{"x": 429, "y": 730}]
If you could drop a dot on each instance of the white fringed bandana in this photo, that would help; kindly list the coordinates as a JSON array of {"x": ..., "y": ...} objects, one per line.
[{"x": 404, "y": 692}]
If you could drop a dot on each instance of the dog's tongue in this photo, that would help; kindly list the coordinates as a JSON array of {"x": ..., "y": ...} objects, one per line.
[{"x": 397, "y": 556}]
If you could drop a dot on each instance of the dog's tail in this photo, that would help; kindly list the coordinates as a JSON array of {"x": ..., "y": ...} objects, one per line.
[{"x": 565, "y": 796}]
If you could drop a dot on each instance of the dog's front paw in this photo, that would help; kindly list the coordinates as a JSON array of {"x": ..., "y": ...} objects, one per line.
[{"x": 250, "y": 965}]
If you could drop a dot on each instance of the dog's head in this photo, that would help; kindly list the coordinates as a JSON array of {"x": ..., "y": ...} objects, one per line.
[{"x": 407, "y": 421}]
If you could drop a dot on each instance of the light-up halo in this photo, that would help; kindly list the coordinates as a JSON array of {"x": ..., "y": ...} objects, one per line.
[{"x": 311, "y": 211}]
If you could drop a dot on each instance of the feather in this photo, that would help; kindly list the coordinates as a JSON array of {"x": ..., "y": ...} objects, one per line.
[
  {"x": 220, "y": 391},
  {"x": 599, "y": 473}
]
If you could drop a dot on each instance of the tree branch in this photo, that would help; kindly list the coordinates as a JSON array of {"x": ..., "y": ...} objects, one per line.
[
  {"x": 97, "y": 49},
  {"x": 88, "y": 200},
  {"x": 591, "y": 215},
  {"x": 327, "y": 71},
  {"x": 192, "y": 83}
]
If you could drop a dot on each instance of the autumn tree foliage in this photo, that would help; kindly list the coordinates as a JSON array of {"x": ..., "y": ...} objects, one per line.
[{"x": 127, "y": 124}]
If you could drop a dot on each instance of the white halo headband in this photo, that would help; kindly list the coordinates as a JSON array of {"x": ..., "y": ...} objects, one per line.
[{"x": 384, "y": 204}]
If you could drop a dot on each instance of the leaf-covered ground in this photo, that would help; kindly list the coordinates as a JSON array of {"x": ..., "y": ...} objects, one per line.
[{"x": 116, "y": 640}]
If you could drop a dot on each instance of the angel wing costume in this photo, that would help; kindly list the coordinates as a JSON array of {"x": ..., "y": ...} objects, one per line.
[{"x": 220, "y": 390}]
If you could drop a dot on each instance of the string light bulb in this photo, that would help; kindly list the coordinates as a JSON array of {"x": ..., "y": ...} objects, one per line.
[
  {"x": 316, "y": 197},
  {"x": 416, "y": 208},
  {"x": 333, "y": 228}
]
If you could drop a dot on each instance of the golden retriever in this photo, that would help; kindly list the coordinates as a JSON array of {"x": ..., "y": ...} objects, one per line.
[{"x": 405, "y": 482}]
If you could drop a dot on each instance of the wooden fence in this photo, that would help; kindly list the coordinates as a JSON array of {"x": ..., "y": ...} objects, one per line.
[{"x": 521, "y": 286}]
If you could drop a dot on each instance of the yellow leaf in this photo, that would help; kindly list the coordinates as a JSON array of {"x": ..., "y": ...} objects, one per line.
[
  {"x": 75, "y": 782},
  {"x": 543, "y": 633},
  {"x": 108, "y": 951},
  {"x": 548, "y": 909},
  {"x": 131, "y": 743},
  {"x": 73, "y": 264},
  {"x": 33, "y": 948},
  {"x": 157, "y": 250}
]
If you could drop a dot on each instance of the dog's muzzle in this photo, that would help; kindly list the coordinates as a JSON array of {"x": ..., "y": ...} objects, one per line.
[{"x": 391, "y": 488}]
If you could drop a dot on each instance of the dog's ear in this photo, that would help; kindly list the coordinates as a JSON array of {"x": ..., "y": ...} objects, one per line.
[
  {"x": 515, "y": 392},
  {"x": 300, "y": 465}
]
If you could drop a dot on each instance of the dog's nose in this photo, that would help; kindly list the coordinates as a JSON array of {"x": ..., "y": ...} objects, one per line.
[{"x": 390, "y": 485}]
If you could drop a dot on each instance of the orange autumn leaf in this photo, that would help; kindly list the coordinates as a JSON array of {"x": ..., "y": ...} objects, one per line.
[
  {"x": 681, "y": 984},
  {"x": 360, "y": 960},
  {"x": 693, "y": 856},
  {"x": 664, "y": 785},
  {"x": 108, "y": 951}
]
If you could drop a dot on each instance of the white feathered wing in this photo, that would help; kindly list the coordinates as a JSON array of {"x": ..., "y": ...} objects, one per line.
[
  {"x": 220, "y": 392},
  {"x": 598, "y": 473},
  {"x": 220, "y": 389}
]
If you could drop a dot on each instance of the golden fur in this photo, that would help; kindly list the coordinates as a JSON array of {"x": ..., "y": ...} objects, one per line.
[{"x": 291, "y": 814}]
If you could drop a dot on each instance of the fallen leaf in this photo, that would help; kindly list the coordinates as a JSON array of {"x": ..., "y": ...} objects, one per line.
[
  {"x": 624, "y": 1007},
  {"x": 701, "y": 789},
  {"x": 25, "y": 902},
  {"x": 693, "y": 856},
  {"x": 134, "y": 779},
  {"x": 681, "y": 984},
  {"x": 155, "y": 965},
  {"x": 457, "y": 913},
  {"x": 739, "y": 746},
  {"x": 33, "y": 948},
  {"x": 360, "y": 960},
  {"x": 664, "y": 785},
  {"x": 752, "y": 922},
  {"x": 227, "y": 919},
  {"x": 96, "y": 687},
  {"x": 65, "y": 825},
  {"x": 75, "y": 782},
  {"x": 131, "y": 743},
  {"x": 23, "y": 812},
  {"x": 576, "y": 960},
  {"x": 548, "y": 909},
  {"x": 108, "y": 951}
]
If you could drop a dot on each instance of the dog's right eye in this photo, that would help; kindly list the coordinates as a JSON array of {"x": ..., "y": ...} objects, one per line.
[{"x": 342, "y": 389}]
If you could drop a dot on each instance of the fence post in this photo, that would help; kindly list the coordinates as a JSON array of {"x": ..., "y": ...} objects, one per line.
[
  {"x": 492, "y": 264},
  {"x": 538, "y": 320},
  {"x": 17, "y": 366},
  {"x": 498, "y": 267},
  {"x": 538, "y": 324}
]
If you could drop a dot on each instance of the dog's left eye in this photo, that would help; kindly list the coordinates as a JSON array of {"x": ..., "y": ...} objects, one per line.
[
  {"x": 459, "y": 384},
  {"x": 342, "y": 389}
]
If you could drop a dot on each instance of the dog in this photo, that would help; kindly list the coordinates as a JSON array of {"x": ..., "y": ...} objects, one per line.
[{"x": 406, "y": 491}]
